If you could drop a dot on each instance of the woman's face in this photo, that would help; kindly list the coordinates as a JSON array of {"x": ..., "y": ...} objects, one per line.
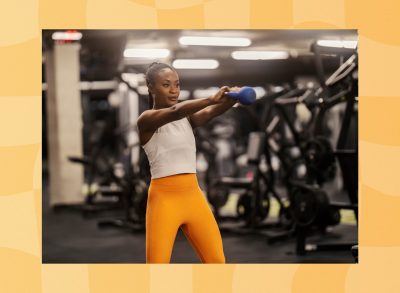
[{"x": 165, "y": 89}]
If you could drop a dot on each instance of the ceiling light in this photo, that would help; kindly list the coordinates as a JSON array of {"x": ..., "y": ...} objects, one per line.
[
  {"x": 146, "y": 53},
  {"x": 205, "y": 93},
  {"x": 259, "y": 55},
  {"x": 214, "y": 41},
  {"x": 338, "y": 44},
  {"x": 67, "y": 36},
  {"x": 195, "y": 64}
]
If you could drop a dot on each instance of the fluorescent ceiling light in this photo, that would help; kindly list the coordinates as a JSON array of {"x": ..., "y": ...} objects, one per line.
[
  {"x": 195, "y": 64},
  {"x": 146, "y": 53},
  {"x": 215, "y": 41},
  {"x": 205, "y": 93},
  {"x": 338, "y": 44},
  {"x": 66, "y": 36},
  {"x": 259, "y": 55}
]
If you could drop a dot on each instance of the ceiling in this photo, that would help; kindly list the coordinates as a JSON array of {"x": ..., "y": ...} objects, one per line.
[{"x": 102, "y": 54}]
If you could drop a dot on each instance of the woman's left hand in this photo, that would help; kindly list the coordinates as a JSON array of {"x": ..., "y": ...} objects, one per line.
[
  {"x": 234, "y": 89},
  {"x": 231, "y": 101}
]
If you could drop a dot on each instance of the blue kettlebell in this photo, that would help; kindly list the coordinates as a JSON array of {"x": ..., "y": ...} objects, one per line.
[{"x": 246, "y": 95}]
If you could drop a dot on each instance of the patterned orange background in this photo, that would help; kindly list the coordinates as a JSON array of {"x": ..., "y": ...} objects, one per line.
[{"x": 21, "y": 21}]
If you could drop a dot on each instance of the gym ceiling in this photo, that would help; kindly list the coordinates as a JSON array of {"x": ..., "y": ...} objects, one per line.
[{"x": 102, "y": 55}]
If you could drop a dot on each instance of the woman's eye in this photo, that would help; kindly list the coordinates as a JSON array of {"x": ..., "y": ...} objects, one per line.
[{"x": 165, "y": 85}]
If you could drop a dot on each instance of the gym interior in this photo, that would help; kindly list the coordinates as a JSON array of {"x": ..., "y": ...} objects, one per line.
[{"x": 280, "y": 175}]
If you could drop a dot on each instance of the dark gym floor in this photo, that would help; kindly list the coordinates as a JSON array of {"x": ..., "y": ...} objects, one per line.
[{"x": 68, "y": 237}]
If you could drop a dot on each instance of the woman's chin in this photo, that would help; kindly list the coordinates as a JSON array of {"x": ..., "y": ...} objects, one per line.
[{"x": 172, "y": 101}]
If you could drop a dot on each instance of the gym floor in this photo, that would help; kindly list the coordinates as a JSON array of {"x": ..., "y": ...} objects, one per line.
[{"x": 68, "y": 237}]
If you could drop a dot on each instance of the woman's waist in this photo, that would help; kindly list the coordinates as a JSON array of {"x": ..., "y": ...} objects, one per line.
[{"x": 176, "y": 181}]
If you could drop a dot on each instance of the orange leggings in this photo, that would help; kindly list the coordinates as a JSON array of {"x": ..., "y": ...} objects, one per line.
[{"x": 177, "y": 202}]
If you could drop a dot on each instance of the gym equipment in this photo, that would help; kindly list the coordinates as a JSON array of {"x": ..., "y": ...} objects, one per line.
[
  {"x": 100, "y": 164},
  {"x": 217, "y": 194},
  {"x": 258, "y": 174},
  {"x": 253, "y": 206},
  {"x": 115, "y": 177},
  {"x": 216, "y": 144},
  {"x": 105, "y": 187},
  {"x": 345, "y": 83},
  {"x": 127, "y": 186},
  {"x": 134, "y": 195},
  {"x": 246, "y": 95},
  {"x": 244, "y": 206},
  {"x": 311, "y": 206},
  {"x": 320, "y": 159},
  {"x": 319, "y": 51}
]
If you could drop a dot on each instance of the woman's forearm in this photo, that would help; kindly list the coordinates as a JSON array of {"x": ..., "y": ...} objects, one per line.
[
  {"x": 216, "y": 110},
  {"x": 202, "y": 117},
  {"x": 187, "y": 108}
]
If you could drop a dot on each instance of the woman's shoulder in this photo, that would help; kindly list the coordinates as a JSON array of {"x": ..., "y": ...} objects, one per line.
[
  {"x": 141, "y": 121},
  {"x": 143, "y": 115}
]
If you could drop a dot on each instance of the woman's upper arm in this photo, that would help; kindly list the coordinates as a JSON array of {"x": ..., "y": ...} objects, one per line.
[{"x": 150, "y": 120}]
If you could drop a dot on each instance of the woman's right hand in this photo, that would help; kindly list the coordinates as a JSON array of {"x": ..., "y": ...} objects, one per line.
[{"x": 219, "y": 97}]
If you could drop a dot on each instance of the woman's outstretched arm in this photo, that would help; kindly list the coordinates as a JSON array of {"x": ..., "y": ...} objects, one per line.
[
  {"x": 205, "y": 115},
  {"x": 150, "y": 120}
]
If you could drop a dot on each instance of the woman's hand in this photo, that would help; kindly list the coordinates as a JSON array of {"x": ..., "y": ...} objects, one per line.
[
  {"x": 235, "y": 89},
  {"x": 228, "y": 100},
  {"x": 220, "y": 103},
  {"x": 219, "y": 97}
]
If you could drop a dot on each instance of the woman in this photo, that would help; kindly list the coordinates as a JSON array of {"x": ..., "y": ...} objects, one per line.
[{"x": 175, "y": 199}]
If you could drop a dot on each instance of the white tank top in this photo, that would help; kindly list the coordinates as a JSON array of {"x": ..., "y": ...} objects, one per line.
[{"x": 172, "y": 149}]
